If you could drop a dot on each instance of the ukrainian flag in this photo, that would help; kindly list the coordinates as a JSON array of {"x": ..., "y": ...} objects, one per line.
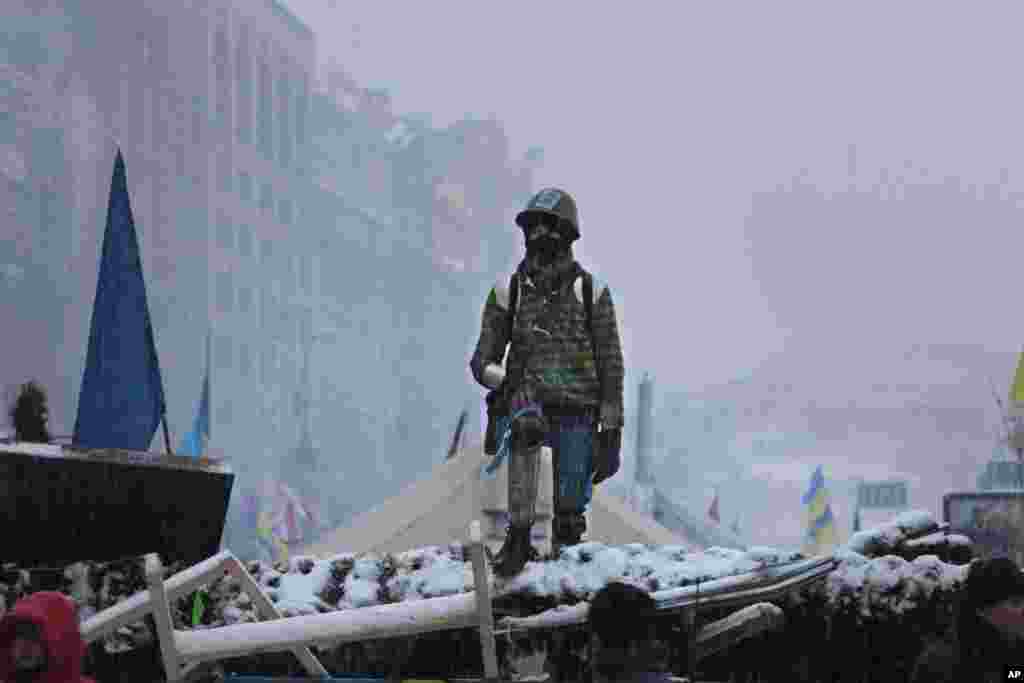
[
  {"x": 1016, "y": 407},
  {"x": 821, "y": 528}
]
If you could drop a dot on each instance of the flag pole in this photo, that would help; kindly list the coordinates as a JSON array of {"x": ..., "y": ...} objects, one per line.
[{"x": 167, "y": 435}]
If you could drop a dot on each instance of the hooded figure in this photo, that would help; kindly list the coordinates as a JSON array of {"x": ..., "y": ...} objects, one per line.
[
  {"x": 562, "y": 386},
  {"x": 988, "y": 633},
  {"x": 623, "y": 636},
  {"x": 40, "y": 641}
]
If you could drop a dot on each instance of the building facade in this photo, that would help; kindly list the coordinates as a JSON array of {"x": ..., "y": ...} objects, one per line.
[{"x": 209, "y": 104}]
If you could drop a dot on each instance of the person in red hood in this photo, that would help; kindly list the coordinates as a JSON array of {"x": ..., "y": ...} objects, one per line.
[{"x": 40, "y": 641}]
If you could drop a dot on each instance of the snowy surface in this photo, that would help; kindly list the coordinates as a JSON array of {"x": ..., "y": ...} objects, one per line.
[
  {"x": 890, "y": 584},
  {"x": 44, "y": 449},
  {"x": 350, "y": 581},
  {"x": 938, "y": 538},
  {"x": 883, "y": 539},
  {"x": 873, "y": 580}
]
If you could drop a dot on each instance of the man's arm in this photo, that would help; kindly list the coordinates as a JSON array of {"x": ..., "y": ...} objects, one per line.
[
  {"x": 609, "y": 353},
  {"x": 490, "y": 348}
]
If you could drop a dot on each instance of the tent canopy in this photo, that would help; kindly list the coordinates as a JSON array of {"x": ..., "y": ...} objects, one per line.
[{"x": 438, "y": 509}]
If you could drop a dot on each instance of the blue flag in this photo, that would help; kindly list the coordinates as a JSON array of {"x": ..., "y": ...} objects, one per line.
[
  {"x": 195, "y": 441},
  {"x": 121, "y": 401}
]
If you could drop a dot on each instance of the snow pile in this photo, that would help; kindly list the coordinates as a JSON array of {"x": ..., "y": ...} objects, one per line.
[
  {"x": 889, "y": 585},
  {"x": 872, "y": 580},
  {"x": 885, "y": 539},
  {"x": 350, "y": 581}
]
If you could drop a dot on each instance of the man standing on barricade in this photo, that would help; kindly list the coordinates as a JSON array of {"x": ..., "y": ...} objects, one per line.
[{"x": 563, "y": 385}]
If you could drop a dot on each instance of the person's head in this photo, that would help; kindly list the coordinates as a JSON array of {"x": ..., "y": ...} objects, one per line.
[
  {"x": 550, "y": 225},
  {"x": 30, "y": 413},
  {"x": 622, "y": 628},
  {"x": 40, "y": 640},
  {"x": 28, "y": 648},
  {"x": 994, "y": 591}
]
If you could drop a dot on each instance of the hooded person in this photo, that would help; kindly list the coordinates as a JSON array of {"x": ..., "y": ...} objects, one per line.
[
  {"x": 988, "y": 633},
  {"x": 562, "y": 384},
  {"x": 40, "y": 641},
  {"x": 624, "y": 636}
]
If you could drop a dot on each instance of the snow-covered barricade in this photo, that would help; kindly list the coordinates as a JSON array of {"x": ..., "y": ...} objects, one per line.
[
  {"x": 888, "y": 571},
  {"x": 871, "y": 585}
]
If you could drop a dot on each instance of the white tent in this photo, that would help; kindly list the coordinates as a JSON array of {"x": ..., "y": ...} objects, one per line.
[{"x": 437, "y": 510}]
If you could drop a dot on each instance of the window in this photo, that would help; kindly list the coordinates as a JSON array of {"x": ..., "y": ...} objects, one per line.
[
  {"x": 266, "y": 254},
  {"x": 225, "y": 295},
  {"x": 243, "y": 84},
  {"x": 284, "y": 96},
  {"x": 223, "y": 352},
  {"x": 264, "y": 114},
  {"x": 226, "y": 174},
  {"x": 306, "y": 275},
  {"x": 225, "y": 412},
  {"x": 198, "y": 114},
  {"x": 267, "y": 197},
  {"x": 222, "y": 71},
  {"x": 243, "y": 360},
  {"x": 225, "y": 233},
  {"x": 288, "y": 277},
  {"x": 244, "y": 241},
  {"x": 264, "y": 308},
  {"x": 286, "y": 211},
  {"x": 244, "y": 299},
  {"x": 300, "y": 114},
  {"x": 265, "y": 366},
  {"x": 244, "y": 186}
]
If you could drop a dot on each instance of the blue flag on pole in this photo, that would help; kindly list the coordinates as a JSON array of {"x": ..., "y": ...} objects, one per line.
[
  {"x": 195, "y": 441},
  {"x": 121, "y": 401}
]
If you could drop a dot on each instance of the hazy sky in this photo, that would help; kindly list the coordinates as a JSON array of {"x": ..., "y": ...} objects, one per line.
[{"x": 665, "y": 119}]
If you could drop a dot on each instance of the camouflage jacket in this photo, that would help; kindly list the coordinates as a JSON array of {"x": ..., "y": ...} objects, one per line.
[{"x": 551, "y": 358}]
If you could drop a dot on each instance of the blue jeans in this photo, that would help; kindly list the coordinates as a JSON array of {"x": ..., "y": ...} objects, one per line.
[{"x": 571, "y": 439}]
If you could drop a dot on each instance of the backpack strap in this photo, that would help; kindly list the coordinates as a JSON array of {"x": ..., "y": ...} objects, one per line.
[
  {"x": 588, "y": 309},
  {"x": 588, "y": 303},
  {"x": 513, "y": 303}
]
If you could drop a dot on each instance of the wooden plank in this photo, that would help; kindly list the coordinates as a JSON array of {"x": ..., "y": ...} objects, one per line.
[
  {"x": 482, "y": 586},
  {"x": 265, "y": 607},
  {"x": 738, "y": 626},
  {"x": 330, "y": 629},
  {"x": 162, "y": 616},
  {"x": 137, "y": 606}
]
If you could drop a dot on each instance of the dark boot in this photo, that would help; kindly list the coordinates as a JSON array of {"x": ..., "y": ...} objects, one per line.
[
  {"x": 515, "y": 552},
  {"x": 568, "y": 531},
  {"x": 523, "y": 469}
]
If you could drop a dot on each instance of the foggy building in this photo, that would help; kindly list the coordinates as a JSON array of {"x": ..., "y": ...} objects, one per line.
[
  {"x": 209, "y": 105},
  {"x": 415, "y": 223}
]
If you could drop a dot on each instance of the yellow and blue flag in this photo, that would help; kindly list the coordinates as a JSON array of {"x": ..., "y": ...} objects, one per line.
[
  {"x": 1016, "y": 407},
  {"x": 821, "y": 530}
]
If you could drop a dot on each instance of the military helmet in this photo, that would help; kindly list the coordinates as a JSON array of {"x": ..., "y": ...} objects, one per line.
[{"x": 552, "y": 202}]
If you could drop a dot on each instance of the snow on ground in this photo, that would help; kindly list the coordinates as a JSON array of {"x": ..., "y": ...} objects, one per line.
[
  {"x": 351, "y": 581},
  {"x": 44, "y": 449},
  {"x": 869, "y": 575},
  {"x": 883, "y": 539}
]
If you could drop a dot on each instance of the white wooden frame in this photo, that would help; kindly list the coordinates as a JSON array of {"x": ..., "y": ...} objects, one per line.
[{"x": 183, "y": 651}]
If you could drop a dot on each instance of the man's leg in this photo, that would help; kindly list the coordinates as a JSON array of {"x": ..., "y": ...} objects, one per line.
[
  {"x": 573, "y": 466},
  {"x": 528, "y": 432}
]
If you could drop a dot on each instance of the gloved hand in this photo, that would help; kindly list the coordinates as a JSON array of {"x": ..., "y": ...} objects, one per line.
[{"x": 607, "y": 454}]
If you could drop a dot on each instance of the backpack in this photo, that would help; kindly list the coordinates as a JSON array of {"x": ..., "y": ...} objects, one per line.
[{"x": 588, "y": 305}]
